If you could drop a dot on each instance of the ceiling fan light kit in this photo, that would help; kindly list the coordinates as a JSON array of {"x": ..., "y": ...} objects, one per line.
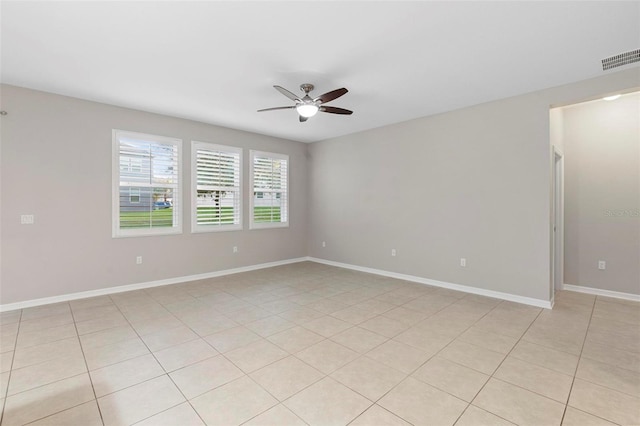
[{"x": 307, "y": 106}]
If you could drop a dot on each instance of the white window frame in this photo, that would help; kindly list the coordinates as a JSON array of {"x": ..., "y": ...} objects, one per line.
[
  {"x": 115, "y": 185},
  {"x": 266, "y": 225},
  {"x": 195, "y": 227}
]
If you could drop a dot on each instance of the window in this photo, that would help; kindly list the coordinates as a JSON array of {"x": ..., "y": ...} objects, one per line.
[
  {"x": 269, "y": 183},
  {"x": 146, "y": 178},
  {"x": 134, "y": 195},
  {"x": 216, "y": 189}
]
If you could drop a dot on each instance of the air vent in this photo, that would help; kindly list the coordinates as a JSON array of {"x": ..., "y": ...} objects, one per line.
[{"x": 621, "y": 59}]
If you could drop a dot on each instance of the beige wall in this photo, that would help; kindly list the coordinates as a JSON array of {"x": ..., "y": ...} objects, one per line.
[
  {"x": 56, "y": 164},
  {"x": 472, "y": 183},
  {"x": 602, "y": 193}
]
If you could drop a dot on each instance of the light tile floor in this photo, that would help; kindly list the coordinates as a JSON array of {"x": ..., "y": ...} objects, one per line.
[{"x": 312, "y": 344}]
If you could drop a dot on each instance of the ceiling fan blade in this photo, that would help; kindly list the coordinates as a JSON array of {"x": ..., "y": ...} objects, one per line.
[
  {"x": 303, "y": 119},
  {"x": 275, "y": 108},
  {"x": 335, "y": 110},
  {"x": 287, "y": 93},
  {"x": 329, "y": 96}
]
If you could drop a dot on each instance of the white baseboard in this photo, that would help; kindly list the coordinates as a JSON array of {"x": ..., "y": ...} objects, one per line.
[
  {"x": 138, "y": 286},
  {"x": 601, "y": 292},
  {"x": 459, "y": 287}
]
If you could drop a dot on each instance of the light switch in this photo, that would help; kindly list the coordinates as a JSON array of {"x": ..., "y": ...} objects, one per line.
[{"x": 26, "y": 219}]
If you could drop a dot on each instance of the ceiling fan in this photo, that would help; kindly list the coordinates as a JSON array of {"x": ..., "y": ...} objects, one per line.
[{"x": 307, "y": 106}]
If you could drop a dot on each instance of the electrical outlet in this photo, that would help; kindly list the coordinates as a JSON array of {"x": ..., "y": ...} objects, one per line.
[
  {"x": 26, "y": 219},
  {"x": 393, "y": 252},
  {"x": 602, "y": 265},
  {"x": 324, "y": 244},
  {"x": 139, "y": 260},
  {"x": 235, "y": 249},
  {"x": 463, "y": 262}
]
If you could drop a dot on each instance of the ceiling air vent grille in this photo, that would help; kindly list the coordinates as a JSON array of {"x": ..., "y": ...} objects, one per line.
[{"x": 621, "y": 59}]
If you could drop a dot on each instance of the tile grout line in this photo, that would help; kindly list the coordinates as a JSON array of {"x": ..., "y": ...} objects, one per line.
[
  {"x": 93, "y": 389},
  {"x": 575, "y": 373},
  {"x": 166, "y": 373},
  {"x": 498, "y": 367},
  {"x": 13, "y": 358}
]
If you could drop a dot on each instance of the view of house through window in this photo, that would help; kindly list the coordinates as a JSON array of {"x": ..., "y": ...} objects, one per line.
[
  {"x": 269, "y": 180},
  {"x": 146, "y": 179},
  {"x": 217, "y": 189}
]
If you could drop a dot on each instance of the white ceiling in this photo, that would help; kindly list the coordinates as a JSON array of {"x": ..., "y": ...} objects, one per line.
[{"x": 215, "y": 62}]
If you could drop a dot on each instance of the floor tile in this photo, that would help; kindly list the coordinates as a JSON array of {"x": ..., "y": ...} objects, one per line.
[
  {"x": 102, "y": 356},
  {"x": 419, "y": 403},
  {"x": 378, "y": 416},
  {"x": 353, "y": 315},
  {"x": 4, "y": 383},
  {"x": 327, "y": 306},
  {"x": 40, "y": 337},
  {"x": 233, "y": 403},
  {"x": 384, "y": 326},
  {"x": 114, "y": 319},
  {"x": 399, "y": 356},
  {"x": 36, "y": 354},
  {"x": 138, "y": 402},
  {"x": 286, "y": 377},
  {"x": 86, "y": 414},
  {"x": 44, "y": 373},
  {"x": 327, "y": 402},
  {"x": 327, "y": 326},
  {"x": 474, "y": 416},
  {"x": 167, "y": 338},
  {"x": 472, "y": 356},
  {"x": 406, "y": 316},
  {"x": 249, "y": 314},
  {"x": 619, "y": 358},
  {"x": 276, "y": 416},
  {"x": 204, "y": 376},
  {"x": 295, "y": 339},
  {"x": 93, "y": 312},
  {"x": 326, "y": 356},
  {"x": 574, "y": 417},
  {"x": 6, "y": 361},
  {"x": 46, "y": 322},
  {"x": 232, "y": 338},
  {"x": 184, "y": 354},
  {"x": 606, "y": 403},
  {"x": 164, "y": 322},
  {"x": 182, "y": 415},
  {"x": 359, "y": 339},
  {"x": 255, "y": 355},
  {"x": 552, "y": 359},
  {"x": 124, "y": 374},
  {"x": 427, "y": 341},
  {"x": 518, "y": 405},
  {"x": 492, "y": 341},
  {"x": 368, "y": 377},
  {"x": 301, "y": 315},
  {"x": 269, "y": 326},
  {"x": 43, "y": 401},
  {"x": 107, "y": 337},
  {"x": 609, "y": 376},
  {"x": 459, "y": 381},
  {"x": 537, "y": 379}
]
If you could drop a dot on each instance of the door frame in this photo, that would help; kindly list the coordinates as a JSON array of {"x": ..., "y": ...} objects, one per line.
[{"x": 557, "y": 222}]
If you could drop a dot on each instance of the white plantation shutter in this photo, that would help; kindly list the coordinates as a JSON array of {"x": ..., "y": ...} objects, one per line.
[
  {"x": 270, "y": 198},
  {"x": 146, "y": 184},
  {"x": 216, "y": 188}
]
